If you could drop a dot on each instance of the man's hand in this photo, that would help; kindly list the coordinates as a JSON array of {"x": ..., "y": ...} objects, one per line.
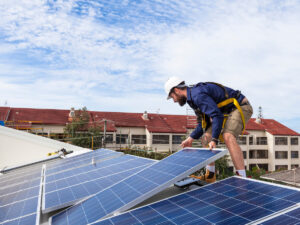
[
  {"x": 187, "y": 142},
  {"x": 212, "y": 145}
]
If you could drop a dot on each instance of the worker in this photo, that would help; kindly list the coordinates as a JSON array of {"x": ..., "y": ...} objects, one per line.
[{"x": 221, "y": 113}]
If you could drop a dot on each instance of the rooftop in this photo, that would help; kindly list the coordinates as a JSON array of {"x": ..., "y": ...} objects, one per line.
[{"x": 156, "y": 123}]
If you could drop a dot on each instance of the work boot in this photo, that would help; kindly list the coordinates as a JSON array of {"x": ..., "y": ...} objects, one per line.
[{"x": 209, "y": 177}]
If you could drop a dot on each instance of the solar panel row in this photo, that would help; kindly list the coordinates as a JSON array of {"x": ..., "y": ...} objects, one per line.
[
  {"x": 20, "y": 192},
  {"x": 138, "y": 187},
  {"x": 67, "y": 191},
  {"x": 231, "y": 201}
]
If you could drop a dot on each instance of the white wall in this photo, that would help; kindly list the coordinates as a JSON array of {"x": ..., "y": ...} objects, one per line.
[{"x": 19, "y": 147}]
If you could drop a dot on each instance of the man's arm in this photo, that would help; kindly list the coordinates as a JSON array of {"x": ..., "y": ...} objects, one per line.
[
  {"x": 208, "y": 106},
  {"x": 196, "y": 134}
]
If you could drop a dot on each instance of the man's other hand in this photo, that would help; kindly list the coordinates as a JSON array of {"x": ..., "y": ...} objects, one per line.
[{"x": 187, "y": 142}]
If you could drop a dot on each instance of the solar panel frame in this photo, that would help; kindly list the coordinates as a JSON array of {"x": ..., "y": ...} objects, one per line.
[
  {"x": 179, "y": 198},
  {"x": 130, "y": 160},
  {"x": 219, "y": 153}
]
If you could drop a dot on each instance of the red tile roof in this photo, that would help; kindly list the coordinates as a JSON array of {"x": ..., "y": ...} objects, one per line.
[
  {"x": 271, "y": 126},
  {"x": 156, "y": 123}
]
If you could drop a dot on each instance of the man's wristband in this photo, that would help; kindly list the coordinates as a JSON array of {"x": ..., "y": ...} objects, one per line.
[{"x": 215, "y": 140}]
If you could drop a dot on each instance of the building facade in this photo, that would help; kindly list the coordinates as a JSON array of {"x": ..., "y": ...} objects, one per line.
[{"x": 266, "y": 143}]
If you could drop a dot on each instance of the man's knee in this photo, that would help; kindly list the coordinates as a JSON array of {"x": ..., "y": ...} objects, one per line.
[{"x": 228, "y": 137}]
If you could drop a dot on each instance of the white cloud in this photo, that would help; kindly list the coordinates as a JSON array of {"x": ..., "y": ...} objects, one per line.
[{"x": 117, "y": 57}]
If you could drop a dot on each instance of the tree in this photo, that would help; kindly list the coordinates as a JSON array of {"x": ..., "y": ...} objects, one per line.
[{"x": 83, "y": 133}]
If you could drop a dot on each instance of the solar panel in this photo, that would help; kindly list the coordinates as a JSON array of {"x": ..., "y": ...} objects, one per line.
[
  {"x": 70, "y": 187},
  {"x": 26, "y": 220},
  {"x": 231, "y": 201},
  {"x": 12, "y": 181},
  {"x": 290, "y": 217},
  {"x": 80, "y": 160},
  {"x": 139, "y": 186},
  {"x": 21, "y": 206}
]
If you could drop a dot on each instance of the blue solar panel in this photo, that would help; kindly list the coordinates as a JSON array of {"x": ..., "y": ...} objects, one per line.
[
  {"x": 19, "y": 186},
  {"x": 19, "y": 206},
  {"x": 211, "y": 204},
  {"x": 18, "y": 179},
  {"x": 139, "y": 187},
  {"x": 26, "y": 220},
  {"x": 91, "y": 168},
  {"x": 287, "y": 217},
  {"x": 81, "y": 160},
  {"x": 90, "y": 180},
  {"x": 19, "y": 195}
]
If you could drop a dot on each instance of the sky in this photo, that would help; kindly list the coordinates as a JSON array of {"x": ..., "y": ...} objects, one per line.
[{"x": 116, "y": 55}]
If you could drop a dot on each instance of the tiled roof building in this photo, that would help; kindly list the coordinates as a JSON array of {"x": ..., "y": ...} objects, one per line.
[{"x": 266, "y": 142}]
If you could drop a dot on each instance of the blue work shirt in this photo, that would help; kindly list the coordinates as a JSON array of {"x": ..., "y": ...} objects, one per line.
[{"x": 205, "y": 97}]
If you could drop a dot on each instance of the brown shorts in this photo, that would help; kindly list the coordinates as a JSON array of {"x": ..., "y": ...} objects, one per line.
[{"x": 234, "y": 123}]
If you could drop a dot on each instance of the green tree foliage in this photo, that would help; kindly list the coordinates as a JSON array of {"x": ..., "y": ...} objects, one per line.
[{"x": 83, "y": 133}]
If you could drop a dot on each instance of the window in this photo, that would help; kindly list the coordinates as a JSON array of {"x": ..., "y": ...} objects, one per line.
[
  {"x": 263, "y": 166},
  {"x": 138, "y": 139},
  {"x": 245, "y": 154},
  {"x": 294, "y": 166},
  {"x": 242, "y": 140},
  {"x": 177, "y": 139},
  {"x": 281, "y": 155},
  {"x": 261, "y": 141},
  {"x": 108, "y": 138},
  {"x": 294, "y": 154},
  {"x": 280, "y": 140},
  {"x": 258, "y": 154},
  {"x": 294, "y": 141},
  {"x": 251, "y": 140},
  {"x": 122, "y": 138},
  {"x": 281, "y": 167},
  {"x": 160, "y": 139}
]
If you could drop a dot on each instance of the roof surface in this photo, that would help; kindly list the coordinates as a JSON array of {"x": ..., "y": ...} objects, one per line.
[{"x": 288, "y": 176}]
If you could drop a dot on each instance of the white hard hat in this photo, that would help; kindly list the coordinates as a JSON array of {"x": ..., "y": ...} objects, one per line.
[{"x": 171, "y": 83}]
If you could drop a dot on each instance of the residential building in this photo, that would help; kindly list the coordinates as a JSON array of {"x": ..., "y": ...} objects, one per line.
[{"x": 266, "y": 143}]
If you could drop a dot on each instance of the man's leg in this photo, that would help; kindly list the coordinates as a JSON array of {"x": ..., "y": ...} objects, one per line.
[
  {"x": 232, "y": 129},
  {"x": 210, "y": 175},
  {"x": 235, "y": 153}
]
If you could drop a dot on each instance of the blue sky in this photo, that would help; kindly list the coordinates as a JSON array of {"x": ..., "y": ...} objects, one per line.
[{"x": 116, "y": 55}]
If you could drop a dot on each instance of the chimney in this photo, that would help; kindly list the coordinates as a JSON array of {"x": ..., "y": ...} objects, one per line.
[
  {"x": 71, "y": 115},
  {"x": 259, "y": 115},
  {"x": 145, "y": 116}
]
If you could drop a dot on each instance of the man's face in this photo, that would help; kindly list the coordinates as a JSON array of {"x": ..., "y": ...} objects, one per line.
[{"x": 177, "y": 97}]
